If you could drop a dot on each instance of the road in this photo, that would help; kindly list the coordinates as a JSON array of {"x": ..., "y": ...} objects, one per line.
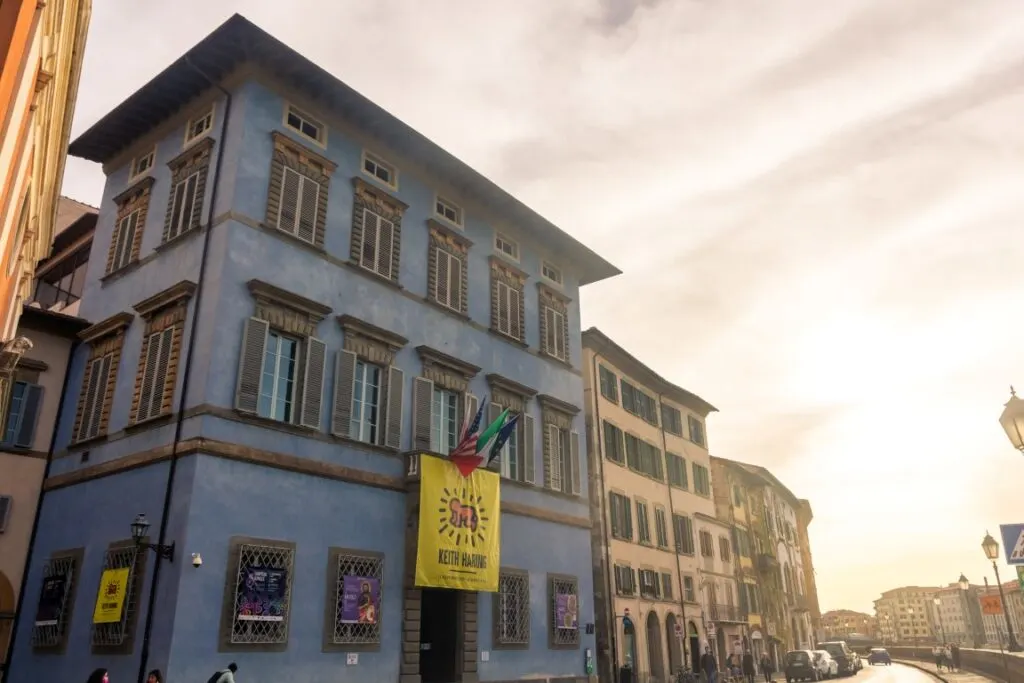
[{"x": 897, "y": 673}]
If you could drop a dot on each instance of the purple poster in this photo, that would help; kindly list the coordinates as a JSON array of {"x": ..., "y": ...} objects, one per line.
[
  {"x": 262, "y": 595},
  {"x": 360, "y": 600},
  {"x": 566, "y": 611}
]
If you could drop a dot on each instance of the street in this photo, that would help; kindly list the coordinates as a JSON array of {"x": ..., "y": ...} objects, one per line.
[{"x": 897, "y": 673}]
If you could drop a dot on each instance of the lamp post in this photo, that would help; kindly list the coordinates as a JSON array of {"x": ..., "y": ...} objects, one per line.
[
  {"x": 1012, "y": 420},
  {"x": 938, "y": 617},
  {"x": 140, "y": 529},
  {"x": 964, "y": 586},
  {"x": 991, "y": 548}
]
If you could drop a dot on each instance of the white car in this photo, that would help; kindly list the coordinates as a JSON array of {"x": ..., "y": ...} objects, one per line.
[{"x": 826, "y": 666}]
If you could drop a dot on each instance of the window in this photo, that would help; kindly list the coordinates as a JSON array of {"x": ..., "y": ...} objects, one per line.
[
  {"x": 625, "y": 580},
  {"x": 358, "y": 578},
  {"x": 701, "y": 480},
  {"x": 551, "y": 273},
  {"x": 280, "y": 370},
  {"x": 6, "y": 502},
  {"x": 56, "y": 603},
  {"x": 299, "y": 205},
  {"x": 105, "y": 339},
  {"x": 507, "y": 300},
  {"x": 23, "y": 412},
  {"x": 643, "y": 457},
  {"x": 447, "y": 273},
  {"x": 444, "y": 416},
  {"x": 255, "y": 618},
  {"x": 650, "y": 584},
  {"x": 377, "y": 244},
  {"x": 366, "y": 395},
  {"x": 61, "y": 284},
  {"x": 508, "y": 306},
  {"x": 441, "y": 398},
  {"x": 639, "y": 403},
  {"x": 677, "y": 471},
  {"x": 305, "y": 125},
  {"x": 188, "y": 188},
  {"x": 696, "y": 430},
  {"x": 724, "y": 549},
  {"x": 380, "y": 170},
  {"x": 119, "y": 636},
  {"x": 613, "y": 444},
  {"x": 688, "y": 592},
  {"x": 156, "y": 353},
  {"x": 300, "y": 180},
  {"x": 554, "y": 324},
  {"x": 661, "y": 527},
  {"x": 666, "y": 585},
  {"x": 563, "y": 612},
  {"x": 124, "y": 240},
  {"x": 707, "y": 545},
  {"x": 506, "y": 246},
  {"x": 643, "y": 524},
  {"x": 737, "y": 496},
  {"x": 609, "y": 384},
  {"x": 682, "y": 530},
  {"x": 672, "y": 420},
  {"x": 743, "y": 546},
  {"x": 142, "y": 164},
  {"x": 516, "y": 461},
  {"x": 512, "y": 609},
  {"x": 448, "y": 210},
  {"x": 561, "y": 447},
  {"x": 621, "y": 516},
  {"x": 97, "y": 378},
  {"x": 199, "y": 126}
]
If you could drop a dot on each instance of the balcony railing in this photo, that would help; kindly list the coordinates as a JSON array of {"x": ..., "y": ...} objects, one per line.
[{"x": 727, "y": 613}]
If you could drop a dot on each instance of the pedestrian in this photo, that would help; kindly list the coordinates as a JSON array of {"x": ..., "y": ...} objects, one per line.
[
  {"x": 98, "y": 676},
  {"x": 748, "y": 666},
  {"x": 224, "y": 675},
  {"x": 939, "y": 653},
  {"x": 155, "y": 677},
  {"x": 955, "y": 656},
  {"x": 707, "y": 664},
  {"x": 767, "y": 668}
]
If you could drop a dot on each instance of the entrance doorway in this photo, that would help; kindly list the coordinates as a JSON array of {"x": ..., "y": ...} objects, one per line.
[
  {"x": 439, "y": 635},
  {"x": 695, "y": 652}
]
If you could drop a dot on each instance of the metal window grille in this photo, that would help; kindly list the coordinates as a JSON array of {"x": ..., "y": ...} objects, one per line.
[
  {"x": 362, "y": 566},
  {"x": 513, "y": 609},
  {"x": 561, "y": 635},
  {"x": 52, "y": 635},
  {"x": 115, "y": 633},
  {"x": 246, "y": 632}
]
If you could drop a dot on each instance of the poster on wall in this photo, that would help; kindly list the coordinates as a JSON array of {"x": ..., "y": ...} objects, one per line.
[
  {"x": 51, "y": 600},
  {"x": 360, "y": 600},
  {"x": 110, "y": 600},
  {"x": 263, "y": 594},
  {"x": 567, "y": 612},
  {"x": 459, "y": 534}
]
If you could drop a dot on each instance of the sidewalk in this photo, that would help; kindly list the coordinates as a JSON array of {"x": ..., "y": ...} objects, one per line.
[{"x": 945, "y": 675}]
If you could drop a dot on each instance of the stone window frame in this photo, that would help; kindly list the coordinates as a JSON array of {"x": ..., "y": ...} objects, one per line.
[
  {"x": 643, "y": 522},
  {"x": 195, "y": 159},
  {"x": 508, "y": 394},
  {"x": 370, "y": 198},
  {"x": 447, "y": 372},
  {"x": 455, "y": 246},
  {"x": 295, "y": 316},
  {"x": 162, "y": 312},
  {"x": 134, "y": 200},
  {"x": 369, "y": 343},
  {"x": 657, "y": 535},
  {"x": 119, "y": 638},
  {"x": 515, "y": 279},
  {"x": 558, "y": 415},
  {"x": 649, "y": 572},
  {"x": 562, "y": 639},
  {"x": 26, "y": 372},
  {"x": 239, "y": 546},
  {"x": 552, "y": 300},
  {"x": 296, "y": 157},
  {"x": 53, "y": 638},
  {"x": 368, "y": 564},
  {"x": 667, "y": 587},
  {"x": 623, "y": 504},
  {"x": 106, "y": 339},
  {"x": 519, "y": 579},
  {"x": 622, "y": 570}
]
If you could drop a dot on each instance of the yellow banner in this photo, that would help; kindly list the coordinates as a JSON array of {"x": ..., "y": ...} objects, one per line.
[
  {"x": 460, "y": 532},
  {"x": 110, "y": 600}
]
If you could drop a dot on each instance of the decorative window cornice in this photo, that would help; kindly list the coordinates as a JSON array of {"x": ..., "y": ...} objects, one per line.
[
  {"x": 508, "y": 273},
  {"x": 286, "y": 310},
  {"x": 112, "y": 326},
  {"x": 370, "y": 342},
  {"x": 553, "y": 298},
  {"x": 197, "y": 154},
  {"x": 302, "y": 158},
  {"x": 508, "y": 393},
  {"x": 135, "y": 191},
  {"x": 556, "y": 411},
  {"x": 446, "y": 371},
  {"x": 175, "y": 295},
  {"x": 379, "y": 201},
  {"x": 447, "y": 238}
]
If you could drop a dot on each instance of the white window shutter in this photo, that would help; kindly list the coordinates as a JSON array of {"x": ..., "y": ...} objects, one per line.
[{"x": 313, "y": 383}]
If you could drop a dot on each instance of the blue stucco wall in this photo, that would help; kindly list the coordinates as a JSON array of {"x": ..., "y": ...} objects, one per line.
[{"x": 215, "y": 499}]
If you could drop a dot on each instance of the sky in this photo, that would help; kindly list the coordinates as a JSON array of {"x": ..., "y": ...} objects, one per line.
[{"x": 817, "y": 207}]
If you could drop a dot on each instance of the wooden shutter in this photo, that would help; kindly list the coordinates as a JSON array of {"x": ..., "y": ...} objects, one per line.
[
  {"x": 310, "y": 199},
  {"x": 614, "y": 507},
  {"x": 313, "y": 383},
  {"x": 552, "y": 476},
  {"x": 627, "y": 518},
  {"x": 156, "y": 358},
  {"x": 250, "y": 365},
  {"x": 396, "y": 387},
  {"x": 442, "y": 293},
  {"x": 344, "y": 379},
  {"x": 387, "y": 247},
  {"x": 514, "y": 311},
  {"x": 528, "y": 460},
  {"x": 574, "y": 462},
  {"x": 289, "y": 206},
  {"x": 31, "y": 402},
  {"x": 422, "y": 397},
  {"x": 98, "y": 392},
  {"x": 493, "y": 411},
  {"x": 371, "y": 234}
]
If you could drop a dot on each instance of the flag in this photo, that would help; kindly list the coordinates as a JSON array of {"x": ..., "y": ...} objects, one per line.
[
  {"x": 470, "y": 427},
  {"x": 490, "y": 432},
  {"x": 503, "y": 436}
]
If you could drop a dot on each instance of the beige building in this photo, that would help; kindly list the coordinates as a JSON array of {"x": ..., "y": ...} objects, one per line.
[
  {"x": 840, "y": 623},
  {"x": 994, "y": 625},
  {"x": 663, "y": 564},
  {"x": 905, "y": 614}
]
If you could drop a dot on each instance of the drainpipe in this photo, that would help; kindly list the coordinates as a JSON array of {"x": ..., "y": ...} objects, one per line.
[
  {"x": 609, "y": 567},
  {"x": 186, "y": 369},
  {"x": 35, "y": 522}
]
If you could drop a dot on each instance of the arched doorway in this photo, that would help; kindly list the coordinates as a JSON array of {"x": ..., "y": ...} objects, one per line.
[
  {"x": 628, "y": 643},
  {"x": 675, "y": 654},
  {"x": 655, "y": 660},
  {"x": 6, "y": 616},
  {"x": 694, "y": 636}
]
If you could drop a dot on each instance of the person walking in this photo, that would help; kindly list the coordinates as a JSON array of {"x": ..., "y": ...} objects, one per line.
[
  {"x": 954, "y": 651},
  {"x": 707, "y": 664},
  {"x": 155, "y": 677},
  {"x": 748, "y": 666},
  {"x": 224, "y": 675},
  {"x": 98, "y": 676},
  {"x": 766, "y": 668}
]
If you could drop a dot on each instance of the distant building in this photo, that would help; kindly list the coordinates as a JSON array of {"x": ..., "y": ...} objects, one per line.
[
  {"x": 837, "y": 624},
  {"x": 904, "y": 614},
  {"x": 994, "y": 625}
]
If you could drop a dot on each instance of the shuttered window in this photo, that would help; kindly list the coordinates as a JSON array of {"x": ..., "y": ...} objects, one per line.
[
  {"x": 508, "y": 311},
  {"x": 448, "y": 281},
  {"x": 643, "y": 522},
  {"x": 625, "y": 580},
  {"x": 650, "y": 585},
  {"x": 707, "y": 545},
  {"x": 682, "y": 531},
  {"x": 155, "y": 361},
  {"x": 614, "y": 448},
  {"x": 513, "y": 453},
  {"x": 701, "y": 480},
  {"x": 609, "y": 384},
  {"x": 368, "y": 401},
  {"x": 94, "y": 391},
  {"x": 555, "y": 342},
  {"x": 666, "y": 585},
  {"x": 22, "y": 415},
  {"x": 677, "y": 471},
  {"x": 661, "y": 527},
  {"x": 621, "y": 516},
  {"x": 366, "y": 408},
  {"x": 124, "y": 240},
  {"x": 184, "y": 210},
  {"x": 299, "y": 207},
  {"x": 562, "y": 460},
  {"x": 378, "y": 244}
]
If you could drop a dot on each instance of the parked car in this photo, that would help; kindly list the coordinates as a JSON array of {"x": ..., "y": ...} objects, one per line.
[
  {"x": 799, "y": 666},
  {"x": 826, "y": 666},
  {"x": 879, "y": 655},
  {"x": 844, "y": 656}
]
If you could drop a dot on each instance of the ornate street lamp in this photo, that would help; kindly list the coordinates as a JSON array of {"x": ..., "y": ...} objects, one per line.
[
  {"x": 1012, "y": 420},
  {"x": 991, "y": 548},
  {"x": 140, "y": 529}
]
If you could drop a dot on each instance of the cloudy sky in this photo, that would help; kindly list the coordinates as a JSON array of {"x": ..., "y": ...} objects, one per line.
[{"x": 817, "y": 205}]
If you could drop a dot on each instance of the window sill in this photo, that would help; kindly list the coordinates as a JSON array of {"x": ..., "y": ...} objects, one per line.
[
  {"x": 554, "y": 359},
  {"x": 509, "y": 646},
  {"x": 178, "y": 239},
  {"x": 372, "y": 274},
  {"x": 149, "y": 423},
  {"x": 463, "y": 317},
  {"x": 366, "y": 446},
  {"x": 88, "y": 443},
  {"x": 511, "y": 340},
  {"x": 271, "y": 423},
  {"x": 292, "y": 239},
  {"x": 119, "y": 273}
]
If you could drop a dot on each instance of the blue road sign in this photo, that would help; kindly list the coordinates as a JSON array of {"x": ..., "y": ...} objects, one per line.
[{"x": 1013, "y": 543}]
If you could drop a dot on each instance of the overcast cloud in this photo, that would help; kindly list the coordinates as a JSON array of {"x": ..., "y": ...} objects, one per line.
[{"x": 817, "y": 205}]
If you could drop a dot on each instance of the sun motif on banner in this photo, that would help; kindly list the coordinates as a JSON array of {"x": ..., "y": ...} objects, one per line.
[{"x": 462, "y": 517}]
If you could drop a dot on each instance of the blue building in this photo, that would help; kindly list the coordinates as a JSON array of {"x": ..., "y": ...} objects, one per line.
[{"x": 301, "y": 296}]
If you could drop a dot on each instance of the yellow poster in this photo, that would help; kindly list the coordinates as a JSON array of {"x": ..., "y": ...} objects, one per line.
[
  {"x": 460, "y": 533},
  {"x": 110, "y": 600}
]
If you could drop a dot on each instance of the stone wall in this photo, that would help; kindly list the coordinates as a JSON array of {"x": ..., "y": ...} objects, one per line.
[{"x": 1000, "y": 667}]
